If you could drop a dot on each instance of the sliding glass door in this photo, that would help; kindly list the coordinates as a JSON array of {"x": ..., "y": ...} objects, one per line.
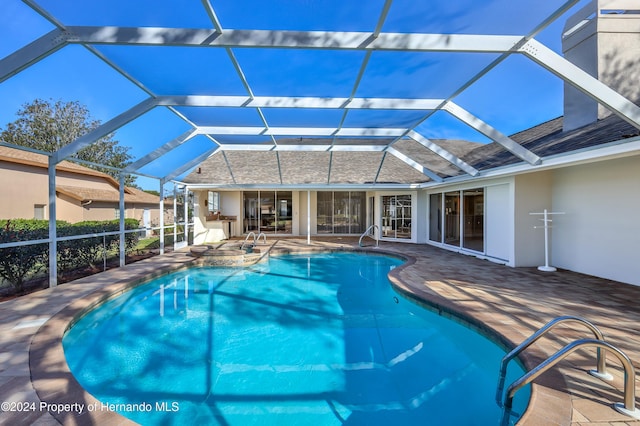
[
  {"x": 473, "y": 235},
  {"x": 268, "y": 211},
  {"x": 462, "y": 213},
  {"x": 341, "y": 212},
  {"x": 396, "y": 216},
  {"x": 435, "y": 217},
  {"x": 251, "y": 211},
  {"x": 452, "y": 218}
]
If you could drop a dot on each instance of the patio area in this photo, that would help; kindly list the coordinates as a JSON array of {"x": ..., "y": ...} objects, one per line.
[{"x": 493, "y": 298}]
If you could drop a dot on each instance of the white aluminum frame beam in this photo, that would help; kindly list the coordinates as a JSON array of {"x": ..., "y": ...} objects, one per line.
[
  {"x": 314, "y": 186},
  {"x": 121, "y": 218},
  {"x": 419, "y": 167},
  {"x": 301, "y": 148},
  {"x": 103, "y": 130},
  {"x": 191, "y": 163},
  {"x": 532, "y": 49},
  {"x": 361, "y": 41},
  {"x": 53, "y": 244},
  {"x": 159, "y": 152},
  {"x": 212, "y": 15},
  {"x": 324, "y": 40},
  {"x": 437, "y": 149},
  {"x": 299, "y": 102},
  {"x": 30, "y": 54},
  {"x": 582, "y": 81},
  {"x": 301, "y": 131},
  {"x": 495, "y": 135}
]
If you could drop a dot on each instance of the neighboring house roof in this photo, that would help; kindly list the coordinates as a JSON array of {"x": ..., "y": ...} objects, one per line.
[
  {"x": 90, "y": 194},
  {"x": 28, "y": 158},
  {"x": 139, "y": 196},
  {"x": 132, "y": 195}
]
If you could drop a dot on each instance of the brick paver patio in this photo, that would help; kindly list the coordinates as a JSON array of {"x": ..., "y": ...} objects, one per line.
[{"x": 493, "y": 298}]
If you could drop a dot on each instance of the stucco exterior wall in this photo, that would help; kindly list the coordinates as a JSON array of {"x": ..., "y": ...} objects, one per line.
[
  {"x": 532, "y": 195},
  {"x": 421, "y": 217},
  {"x": 599, "y": 233},
  {"x": 68, "y": 209},
  {"x": 22, "y": 187},
  {"x": 99, "y": 211},
  {"x": 25, "y": 186}
]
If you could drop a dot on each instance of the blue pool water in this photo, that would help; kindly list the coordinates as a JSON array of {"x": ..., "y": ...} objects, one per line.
[{"x": 298, "y": 340}]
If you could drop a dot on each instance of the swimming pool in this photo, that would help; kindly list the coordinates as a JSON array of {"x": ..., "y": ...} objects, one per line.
[{"x": 317, "y": 339}]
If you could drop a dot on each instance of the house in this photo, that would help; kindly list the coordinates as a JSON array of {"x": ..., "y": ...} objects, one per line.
[
  {"x": 82, "y": 194},
  {"x": 590, "y": 172}
]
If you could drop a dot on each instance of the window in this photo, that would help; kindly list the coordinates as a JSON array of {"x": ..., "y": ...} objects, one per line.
[
  {"x": 341, "y": 212},
  {"x": 213, "y": 201},
  {"x": 38, "y": 211},
  {"x": 117, "y": 213}
]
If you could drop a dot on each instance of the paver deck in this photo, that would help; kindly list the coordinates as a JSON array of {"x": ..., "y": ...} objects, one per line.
[{"x": 509, "y": 303}]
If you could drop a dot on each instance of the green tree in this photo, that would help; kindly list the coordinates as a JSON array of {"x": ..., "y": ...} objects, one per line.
[{"x": 48, "y": 126}]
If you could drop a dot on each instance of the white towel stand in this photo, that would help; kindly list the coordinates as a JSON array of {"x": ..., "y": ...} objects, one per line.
[{"x": 546, "y": 227}]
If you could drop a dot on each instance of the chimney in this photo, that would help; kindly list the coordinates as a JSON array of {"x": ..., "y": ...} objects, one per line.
[{"x": 603, "y": 38}]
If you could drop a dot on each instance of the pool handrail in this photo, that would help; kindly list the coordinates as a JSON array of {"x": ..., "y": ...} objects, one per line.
[
  {"x": 601, "y": 368},
  {"x": 366, "y": 233},
  {"x": 247, "y": 238},
  {"x": 627, "y": 407}
]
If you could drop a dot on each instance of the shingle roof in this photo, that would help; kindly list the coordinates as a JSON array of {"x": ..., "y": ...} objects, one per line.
[
  {"x": 548, "y": 139},
  {"x": 323, "y": 167}
]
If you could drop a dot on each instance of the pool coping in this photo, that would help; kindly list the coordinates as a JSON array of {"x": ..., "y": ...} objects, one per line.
[{"x": 55, "y": 384}]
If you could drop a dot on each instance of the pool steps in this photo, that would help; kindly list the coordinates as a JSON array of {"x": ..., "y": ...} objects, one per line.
[{"x": 231, "y": 253}]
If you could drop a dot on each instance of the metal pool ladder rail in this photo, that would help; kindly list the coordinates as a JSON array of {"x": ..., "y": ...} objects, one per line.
[
  {"x": 254, "y": 239},
  {"x": 627, "y": 408},
  {"x": 366, "y": 233}
]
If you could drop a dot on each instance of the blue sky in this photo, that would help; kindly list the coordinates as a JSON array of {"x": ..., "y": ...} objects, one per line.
[{"x": 514, "y": 96}]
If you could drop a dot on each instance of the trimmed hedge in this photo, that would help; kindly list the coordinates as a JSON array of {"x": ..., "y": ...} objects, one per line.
[{"x": 17, "y": 264}]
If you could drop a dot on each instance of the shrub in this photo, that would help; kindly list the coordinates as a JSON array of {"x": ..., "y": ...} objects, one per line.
[
  {"x": 19, "y": 263},
  {"x": 86, "y": 251}
]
